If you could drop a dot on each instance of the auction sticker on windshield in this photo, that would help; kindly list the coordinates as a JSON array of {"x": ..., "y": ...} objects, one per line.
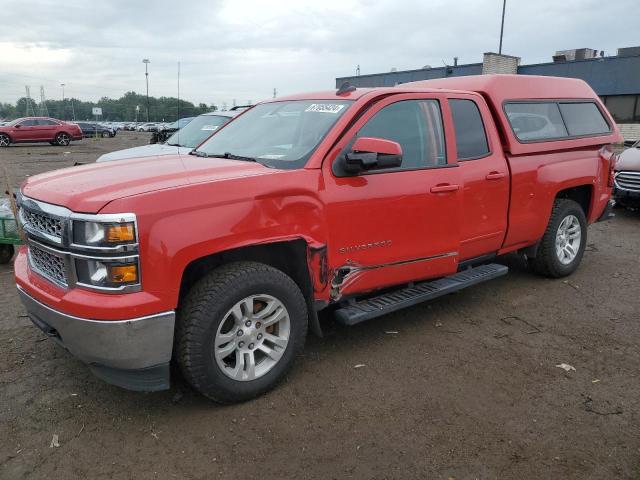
[
  {"x": 209, "y": 127},
  {"x": 324, "y": 107}
]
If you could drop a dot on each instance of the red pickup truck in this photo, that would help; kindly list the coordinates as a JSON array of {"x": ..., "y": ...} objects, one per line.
[{"x": 360, "y": 201}]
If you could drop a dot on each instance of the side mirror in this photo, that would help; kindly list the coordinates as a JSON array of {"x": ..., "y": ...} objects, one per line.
[
  {"x": 372, "y": 154},
  {"x": 17, "y": 126}
]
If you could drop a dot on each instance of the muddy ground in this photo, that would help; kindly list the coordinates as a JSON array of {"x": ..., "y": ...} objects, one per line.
[{"x": 465, "y": 387}]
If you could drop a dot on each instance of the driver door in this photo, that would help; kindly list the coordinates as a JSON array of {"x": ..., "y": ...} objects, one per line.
[{"x": 395, "y": 225}]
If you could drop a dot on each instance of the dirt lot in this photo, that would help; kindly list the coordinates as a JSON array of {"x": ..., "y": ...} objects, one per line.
[{"x": 465, "y": 387}]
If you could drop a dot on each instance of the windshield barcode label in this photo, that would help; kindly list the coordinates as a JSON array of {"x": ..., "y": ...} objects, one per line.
[{"x": 324, "y": 108}]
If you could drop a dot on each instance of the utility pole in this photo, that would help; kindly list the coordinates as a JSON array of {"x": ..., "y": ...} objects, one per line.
[
  {"x": 275, "y": 92},
  {"x": 63, "y": 109},
  {"x": 28, "y": 101},
  {"x": 358, "y": 71},
  {"x": 146, "y": 75},
  {"x": 43, "y": 111},
  {"x": 504, "y": 6}
]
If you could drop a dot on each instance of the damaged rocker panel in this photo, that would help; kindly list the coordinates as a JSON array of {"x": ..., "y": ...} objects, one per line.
[{"x": 350, "y": 272}]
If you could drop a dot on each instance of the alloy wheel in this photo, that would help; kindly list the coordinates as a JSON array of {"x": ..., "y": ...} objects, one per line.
[
  {"x": 252, "y": 337},
  {"x": 568, "y": 238}
]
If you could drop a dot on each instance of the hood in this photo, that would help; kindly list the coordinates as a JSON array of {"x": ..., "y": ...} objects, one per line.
[
  {"x": 629, "y": 160},
  {"x": 151, "y": 150},
  {"x": 88, "y": 188}
]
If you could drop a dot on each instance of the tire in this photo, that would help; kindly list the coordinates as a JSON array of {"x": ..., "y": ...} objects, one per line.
[
  {"x": 5, "y": 141},
  {"x": 105, "y": 134},
  {"x": 555, "y": 260},
  {"x": 213, "y": 310},
  {"x": 6, "y": 253},
  {"x": 63, "y": 139}
]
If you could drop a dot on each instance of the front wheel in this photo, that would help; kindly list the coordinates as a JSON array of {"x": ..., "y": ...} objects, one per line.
[
  {"x": 239, "y": 331},
  {"x": 63, "y": 139},
  {"x": 105, "y": 134},
  {"x": 562, "y": 246},
  {"x": 5, "y": 141}
]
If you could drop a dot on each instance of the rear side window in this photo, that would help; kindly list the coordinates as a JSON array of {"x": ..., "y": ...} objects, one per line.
[
  {"x": 535, "y": 121},
  {"x": 471, "y": 139},
  {"x": 532, "y": 121},
  {"x": 583, "y": 118},
  {"x": 417, "y": 126}
]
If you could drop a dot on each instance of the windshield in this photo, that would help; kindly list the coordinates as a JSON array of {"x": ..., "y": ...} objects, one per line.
[
  {"x": 14, "y": 122},
  {"x": 277, "y": 134},
  {"x": 197, "y": 130},
  {"x": 180, "y": 123}
]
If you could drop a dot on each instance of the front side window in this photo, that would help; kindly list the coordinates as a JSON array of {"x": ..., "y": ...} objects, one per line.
[
  {"x": 471, "y": 138},
  {"x": 417, "y": 126},
  {"x": 583, "y": 118},
  {"x": 29, "y": 123},
  {"x": 535, "y": 121},
  {"x": 277, "y": 134}
]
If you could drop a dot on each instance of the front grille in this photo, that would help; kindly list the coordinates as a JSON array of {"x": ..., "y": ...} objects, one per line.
[
  {"x": 628, "y": 181},
  {"x": 48, "y": 265},
  {"x": 42, "y": 223}
]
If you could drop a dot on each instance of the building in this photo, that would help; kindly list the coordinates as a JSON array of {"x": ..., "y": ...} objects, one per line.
[{"x": 616, "y": 79}]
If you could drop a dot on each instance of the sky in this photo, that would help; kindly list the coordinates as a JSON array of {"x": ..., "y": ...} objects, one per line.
[{"x": 241, "y": 50}]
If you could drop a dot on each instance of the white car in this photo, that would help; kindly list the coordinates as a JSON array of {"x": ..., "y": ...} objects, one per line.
[{"x": 181, "y": 142}]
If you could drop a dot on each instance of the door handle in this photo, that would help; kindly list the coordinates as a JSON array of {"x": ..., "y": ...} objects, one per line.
[
  {"x": 494, "y": 176},
  {"x": 444, "y": 188}
]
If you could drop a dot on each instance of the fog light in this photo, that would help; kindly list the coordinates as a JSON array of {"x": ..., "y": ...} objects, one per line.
[{"x": 123, "y": 273}]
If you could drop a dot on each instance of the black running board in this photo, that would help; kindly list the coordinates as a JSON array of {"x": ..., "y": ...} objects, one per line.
[{"x": 356, "y": 312}]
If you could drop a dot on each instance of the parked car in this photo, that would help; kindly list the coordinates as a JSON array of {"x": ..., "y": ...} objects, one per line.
[
  {"x": 147, "y": 127},
  {"x": 365, "y": 201},
  {"x": 166, "y": 131},
  {"x": 92, "y": 129},
  {"x": 181, "y": 142},
  {"x": 627, "y": 178},
  {"x": 39, "y": 129}
]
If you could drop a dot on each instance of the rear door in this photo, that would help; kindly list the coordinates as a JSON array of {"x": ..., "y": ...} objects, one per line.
[
  {"x": 47, "y": 129},
  {"x": 388, "y": 227},
  {"x": 484, "y": 174}
]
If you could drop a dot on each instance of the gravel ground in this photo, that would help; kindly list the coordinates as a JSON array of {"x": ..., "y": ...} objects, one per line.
[{"x": 464, "y": 387}]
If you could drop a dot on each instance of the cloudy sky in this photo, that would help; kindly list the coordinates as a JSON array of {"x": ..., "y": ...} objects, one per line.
[{"x": 235, "y": 49}]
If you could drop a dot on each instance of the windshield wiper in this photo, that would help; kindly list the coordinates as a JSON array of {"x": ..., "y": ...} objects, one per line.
[
  {"x": 231, "y": 156},
  {"x": 198, "y": 153}
]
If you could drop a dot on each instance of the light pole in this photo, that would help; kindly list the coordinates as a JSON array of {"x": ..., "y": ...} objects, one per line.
[
  {"x": 146, "y": 75},
  {"x": 504, "y": 6},
  {"x": 62, "y": 85}
]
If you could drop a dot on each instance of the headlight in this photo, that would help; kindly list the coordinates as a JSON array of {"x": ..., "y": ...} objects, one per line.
[
  {"x": 102, "y": 234},
  {"x": 108, "y": 273}
]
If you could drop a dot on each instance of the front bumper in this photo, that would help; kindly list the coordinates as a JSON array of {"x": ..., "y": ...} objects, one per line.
[{"x": 132, "y": 354}]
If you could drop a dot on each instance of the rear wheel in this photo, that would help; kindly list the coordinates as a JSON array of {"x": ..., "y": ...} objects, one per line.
[
  {"x": 5, "y": 141},
  {"x": 6, "y": 253},
  {"x": 562, "y": 246},
  {"x": 239, "y": 331},
  {"x": 63, "y": 139}
]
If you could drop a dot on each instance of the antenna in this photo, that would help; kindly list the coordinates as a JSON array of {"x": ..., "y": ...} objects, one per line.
[
  {"x": 345, "y": 88},
  {"x": 178, "y": 114}
]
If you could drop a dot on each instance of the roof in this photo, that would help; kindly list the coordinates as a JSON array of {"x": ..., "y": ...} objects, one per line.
[
  {"x": 497, "y": 89},
  {"x": 500, "y": 87}
]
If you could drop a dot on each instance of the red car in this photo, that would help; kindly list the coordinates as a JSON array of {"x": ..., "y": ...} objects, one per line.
[
  {"x": 39, "y": 129},
  {"x": 356, "y": 201}
]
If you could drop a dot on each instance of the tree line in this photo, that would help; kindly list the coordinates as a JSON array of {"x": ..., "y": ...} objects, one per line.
[{"x": 161, "y": 109}]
